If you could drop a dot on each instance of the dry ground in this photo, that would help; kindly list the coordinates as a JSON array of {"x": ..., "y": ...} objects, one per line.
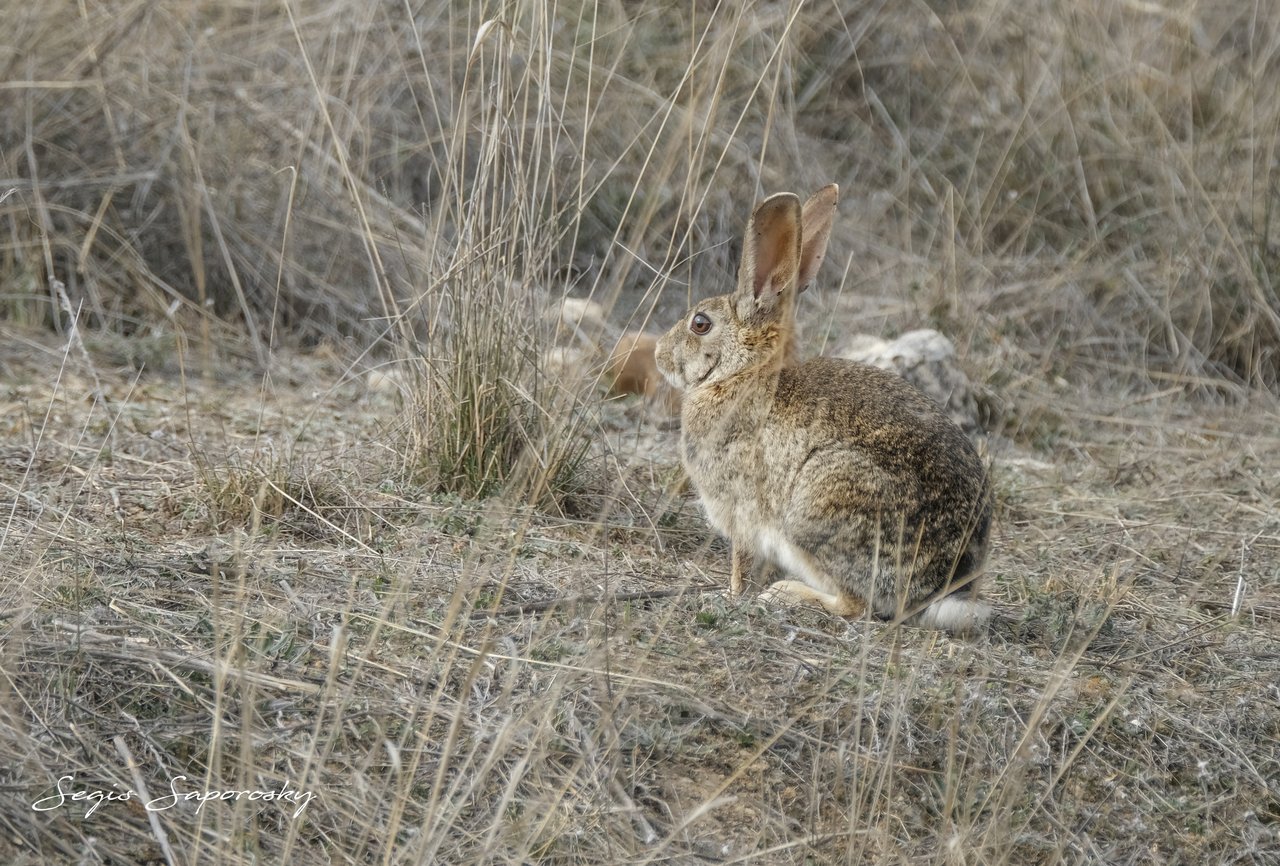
[{"x": 225, "y": 579}]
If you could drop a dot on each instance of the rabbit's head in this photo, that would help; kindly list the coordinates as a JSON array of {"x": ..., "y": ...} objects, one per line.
[{"x": 754, "y": 327}]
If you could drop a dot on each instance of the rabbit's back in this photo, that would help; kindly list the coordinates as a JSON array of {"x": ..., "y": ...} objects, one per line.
[{"x": 877, "y": 412}]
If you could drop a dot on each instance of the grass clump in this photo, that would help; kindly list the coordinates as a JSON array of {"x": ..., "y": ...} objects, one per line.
[{"x": 487, "y": 416}]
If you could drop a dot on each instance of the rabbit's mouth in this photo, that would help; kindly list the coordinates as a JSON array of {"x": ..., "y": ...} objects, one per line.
[
  {"x": 679, "y": 369},
  {"x": 677, "y": 378},
  {"x": 690, "y": 373},
  {"x": 704, "y": 377}
]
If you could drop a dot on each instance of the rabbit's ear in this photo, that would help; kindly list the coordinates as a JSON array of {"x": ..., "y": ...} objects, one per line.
[
  {"x": 770, "y": 254},
  {"x": 819, "y": 211}
]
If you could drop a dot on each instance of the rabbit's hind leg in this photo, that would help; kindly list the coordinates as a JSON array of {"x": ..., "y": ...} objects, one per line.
[
  {"x": 815, "y": 584},
  {"x": 795, "y": 592}
]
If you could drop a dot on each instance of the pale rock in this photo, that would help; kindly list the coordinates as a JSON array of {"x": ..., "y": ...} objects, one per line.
[{"x": 927, "y": 360}]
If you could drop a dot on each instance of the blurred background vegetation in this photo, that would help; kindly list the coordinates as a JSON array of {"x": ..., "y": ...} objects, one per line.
[{"x": 1096, "y": 181}]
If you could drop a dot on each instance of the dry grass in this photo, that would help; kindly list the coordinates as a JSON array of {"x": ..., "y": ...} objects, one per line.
[
  {"x": 462, "y": 682},
  {"x": 482, "y": 622}
]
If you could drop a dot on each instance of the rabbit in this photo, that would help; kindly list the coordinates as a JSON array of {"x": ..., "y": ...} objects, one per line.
[{"x": 840, "y": 474}]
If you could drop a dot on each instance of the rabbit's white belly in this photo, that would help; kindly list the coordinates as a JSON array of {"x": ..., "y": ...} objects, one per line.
[
  {"x": 736, "y": 514},
  {"x": 735, "y": 507}
]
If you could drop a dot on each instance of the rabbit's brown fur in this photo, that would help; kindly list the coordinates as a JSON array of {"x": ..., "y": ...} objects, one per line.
[{"x": 843, "y": 475}]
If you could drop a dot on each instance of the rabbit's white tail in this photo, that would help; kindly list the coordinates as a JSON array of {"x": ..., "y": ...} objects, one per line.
[{"x": 958, "y": 613}]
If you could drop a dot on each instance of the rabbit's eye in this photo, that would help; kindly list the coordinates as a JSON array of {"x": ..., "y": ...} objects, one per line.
[{"x": 700, "y": 324}]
